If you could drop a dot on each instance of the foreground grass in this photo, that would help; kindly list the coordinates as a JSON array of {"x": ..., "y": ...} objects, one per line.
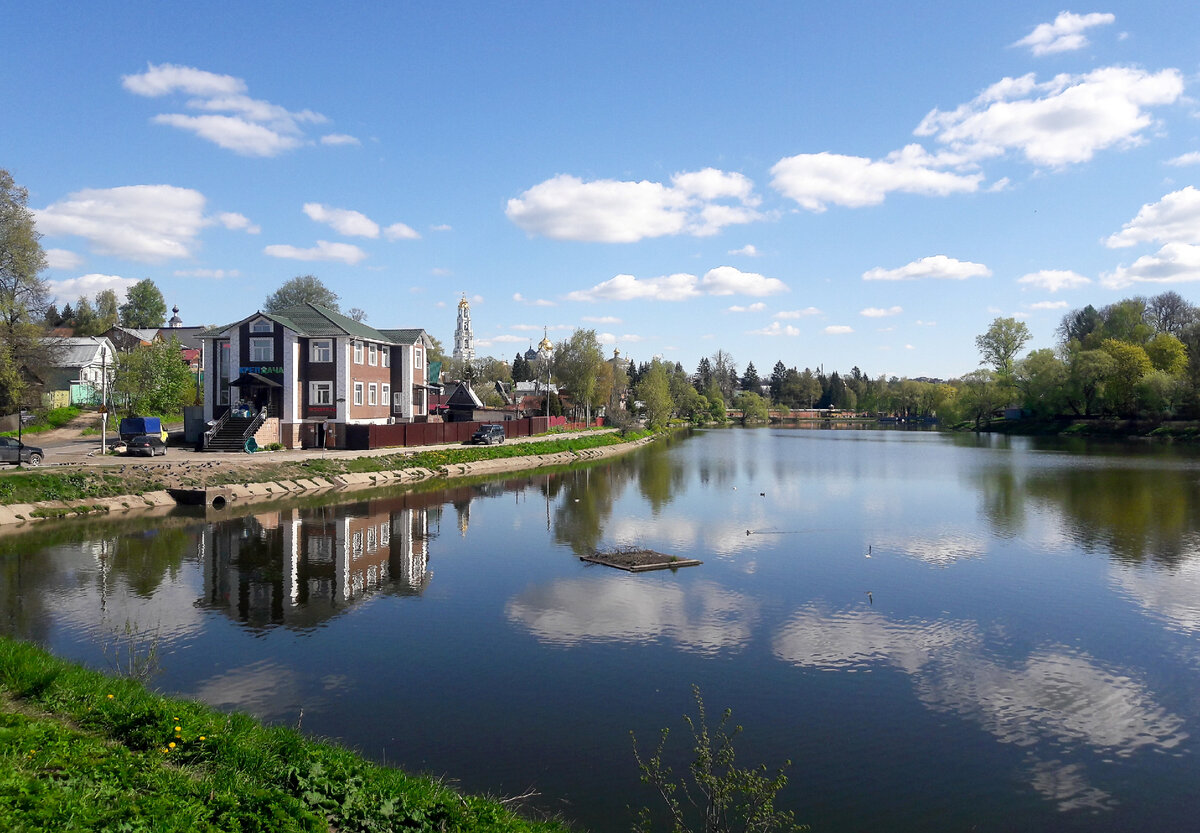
[
  {"x": 83, "y": 751},
  {"x": 30, "y": 486}
]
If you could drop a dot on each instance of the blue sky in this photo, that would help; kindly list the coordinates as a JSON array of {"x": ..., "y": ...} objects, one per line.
[{"x": 828, "y": 185}]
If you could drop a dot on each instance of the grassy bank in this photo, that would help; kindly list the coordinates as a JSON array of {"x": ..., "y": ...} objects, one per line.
[
  {"x": 83, "y": 751},
  {"x": 1117, "y": 429},
  {"x": 85, "y": 483}
]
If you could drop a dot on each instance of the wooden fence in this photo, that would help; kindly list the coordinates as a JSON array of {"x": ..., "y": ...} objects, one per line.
[{"x": 365, "y": 437}]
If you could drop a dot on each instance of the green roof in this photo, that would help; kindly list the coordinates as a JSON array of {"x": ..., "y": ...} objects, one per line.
[{"x": 312, "y": 320}]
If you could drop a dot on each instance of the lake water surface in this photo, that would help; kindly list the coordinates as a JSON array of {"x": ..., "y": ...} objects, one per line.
[{"x": 942, "y": 632}]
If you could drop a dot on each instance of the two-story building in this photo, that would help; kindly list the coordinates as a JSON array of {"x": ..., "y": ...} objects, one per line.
[{"x": 314, "y": 371}]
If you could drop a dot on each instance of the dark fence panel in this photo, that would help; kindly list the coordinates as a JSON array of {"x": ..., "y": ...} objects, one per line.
[{"x": 401, "y": 435}]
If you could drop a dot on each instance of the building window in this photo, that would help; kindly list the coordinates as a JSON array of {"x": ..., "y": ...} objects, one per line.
[
  {"x": 262, "y": 350},
  {"x": 321, "y": 350},
  {"x": 416, "y": 358},
  {"x": 372, "y": 354},
  {"x": 358, "y": 352},
  {"x": 262, "y": 325},
  {"x": 358, "y": 393},
  {"x": 385, "y": 394},
  {"x": 372, "y": 394},
  {"x": 223, "y": 377},
  {"x": 385, "y": 356},
  {"x": 398, "y": 402},
  {"x": 320, "y": 393}
]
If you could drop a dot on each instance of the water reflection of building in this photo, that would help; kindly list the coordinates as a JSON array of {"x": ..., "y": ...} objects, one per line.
[{"x": 298, "y": 567}]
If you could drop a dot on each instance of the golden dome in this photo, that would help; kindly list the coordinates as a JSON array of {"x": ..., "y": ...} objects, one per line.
[{"x": 545, "y": 346}]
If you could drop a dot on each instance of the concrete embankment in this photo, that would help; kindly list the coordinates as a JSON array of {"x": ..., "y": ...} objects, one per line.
[{"x": 231, "y": 495}]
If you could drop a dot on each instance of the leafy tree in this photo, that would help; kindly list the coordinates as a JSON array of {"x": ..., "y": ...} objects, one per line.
[
  {"x": 980, "y": 396},
  {"x": 654, "y": 391},
  {"x": 752, "y": 406},
  {"x": 436, "y": 352},
  {"x": 24, "y": 296},
  {"x": 302, "y": 289},
  {"x": 1167, "y": 353},
  {"x": 108, "y": 311},
  {"x": 154, "y": 380},
  {"x": 52, "y": 317},
  {"x": 86, "y": 322},
  {"x": 1126, "y": 321},
  {"x": 357, "y": 313},
  {"x": 1130, "y": 364},
  {"x": 144, "y": 306},
  {"x": 1087, "y": 371},
  {"x": 1079, "y": 325},
  {"x": 1000, "y": 344},
  {"x": 724, "y": 374},
  {"x": 704, "y": 375},
  {"x": 577, "y": 362},
  {"x": 1041, "y": 377},
  {"x": 1158, "y": 393},
  {"x": 67, "y": 316}
]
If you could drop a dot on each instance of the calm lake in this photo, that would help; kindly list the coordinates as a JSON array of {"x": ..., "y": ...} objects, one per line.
[{"x": 941, "y": 632}]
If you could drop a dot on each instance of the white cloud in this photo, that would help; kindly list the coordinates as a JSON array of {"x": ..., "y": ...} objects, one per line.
[
  {"x": 440, "y": 272},
  {"x": 1061, "y": 121},
  {"x": 798, "y": 313},
  {"x": 400, "y": 231},
  {"x": 1049, "y": 305},
  {"x": 1064, "y": 34},
  {"x": 63, "y": 259},
  {"x": 1052, "y": 280},
  {"x": 1173, "y": 219},
  {"x": 816, "y": 180},
  {"x": 921, "y": 323},
  {"x": 237, "y": 222},
  {"x": 724, "y": 280},
  {"x": 1173, "y": 263},
  {"x": 759, "y": 307},
  {"x": 149, "y": 223},
  {"x": 344, "y": 221},
  {"x": 339, "y": 139},
  {"x": 748, "y": 250},
  {"x": 232, "y": 120},
  {"x": 776, "y": 329},
  {"x": 936, "y": 266},
  {"x": 324, "y": 250},
  {"x": 442, "y": 227},
  {"x": 610, "y": 211},
  {"x": 168, "y": 78},
  {"x": 879, "y": 312},
  {"x": 229, "y": 132},
  {"x": 539, "y": 302},
  {"x": 838, "y": 330},
  {"x": 207, "y": 273},
  {"x": 1192, "y": 158},
  {"x": 601, "y": 319},
  {"x": 506, "y": 339},
  {"x": 68, "y": 290}
]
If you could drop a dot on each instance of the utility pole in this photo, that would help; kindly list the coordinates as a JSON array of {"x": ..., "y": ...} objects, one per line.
[{"x": 103, "y": 398}]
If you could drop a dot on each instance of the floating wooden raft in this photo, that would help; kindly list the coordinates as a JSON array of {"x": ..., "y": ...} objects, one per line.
[{"x": 639, "y": 561}]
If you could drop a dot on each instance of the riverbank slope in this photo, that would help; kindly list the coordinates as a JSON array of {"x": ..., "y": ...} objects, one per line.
[{"x": 83, "y": 751}]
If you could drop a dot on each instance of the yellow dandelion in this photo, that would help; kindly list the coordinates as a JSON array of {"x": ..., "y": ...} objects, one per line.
[
  {"x": 171, "y": 745},
  {"x": 163, "y": 750},
  {"x": 110, "y": 697},
  {"x": 202, "y": 737},
  {"x": 178, "y": 728}
]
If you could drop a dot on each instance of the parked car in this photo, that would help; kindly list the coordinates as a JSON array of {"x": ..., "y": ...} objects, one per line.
[
  {"x": 10, "y": 450},
  {"x": 487, "y": 434},
  {"x": 131, "y": 427},
  {"x": 147, "y": 445}
]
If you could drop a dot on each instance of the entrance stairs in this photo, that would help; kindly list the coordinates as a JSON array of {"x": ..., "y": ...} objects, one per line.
[{"x": 232, "y": 435}]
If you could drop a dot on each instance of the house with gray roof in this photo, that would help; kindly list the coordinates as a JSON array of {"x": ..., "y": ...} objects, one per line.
[
  {"x": 311, "y": 371},
  {"x": 80, "y": 360}
]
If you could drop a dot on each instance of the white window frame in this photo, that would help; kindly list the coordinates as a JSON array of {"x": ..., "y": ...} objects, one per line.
[
  {"x": 385, "y": 394},
  {"x": 373, "y": 354},
  {"x": 320, "y": 350},
  {"x": 416, "y": 358},
  {"x": 372, "y": 394},
  {"x": 262, "y": 350},
  {"x": 262, "y": 325},
  {"x": 358, "y": 393},
  {"x": 398, "y": 401},
  {"x": 320, "y": 393},
  {"x": 358, "y": 352},
  {"x": 385, "y": 357}
]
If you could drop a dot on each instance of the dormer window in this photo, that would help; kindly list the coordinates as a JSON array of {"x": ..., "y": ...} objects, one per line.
[{"x": 262, "y": 325}]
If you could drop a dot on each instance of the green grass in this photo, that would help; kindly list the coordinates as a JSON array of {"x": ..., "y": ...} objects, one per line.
[
  {"x": 83, "y": 751},
  {"x": 47, "y": 421},
  {"x": 33, "y": 486}
]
